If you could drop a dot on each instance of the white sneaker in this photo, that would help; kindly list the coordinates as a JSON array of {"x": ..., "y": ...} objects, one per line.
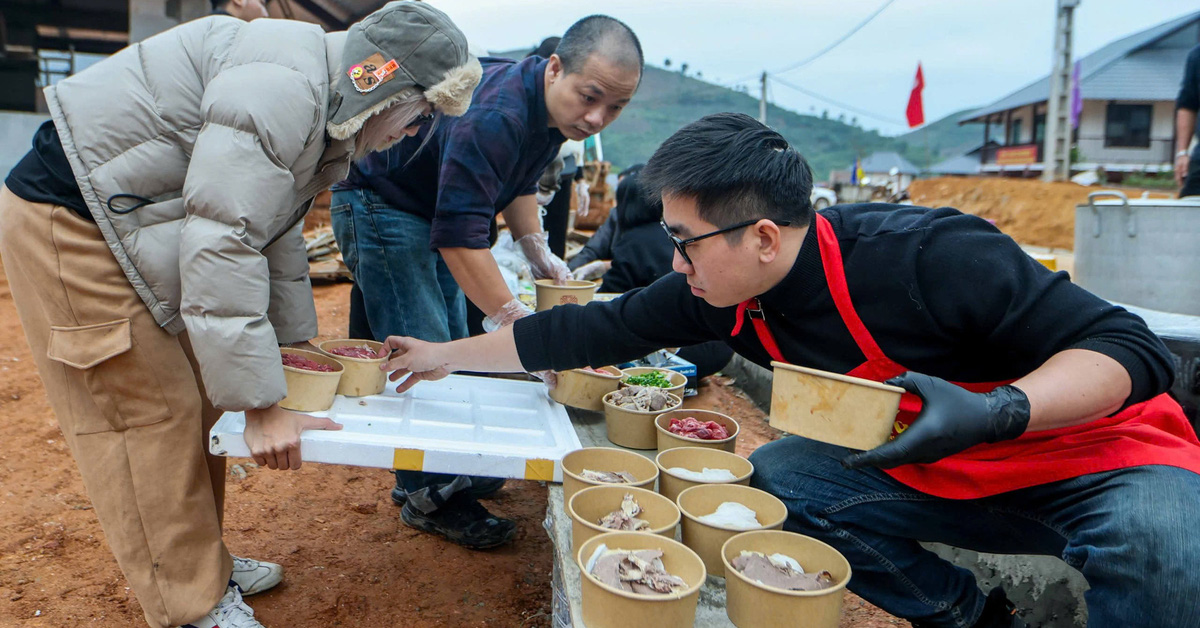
[
  {"x": 254, "y": 576},
  {"x": 230, "y": 612}
]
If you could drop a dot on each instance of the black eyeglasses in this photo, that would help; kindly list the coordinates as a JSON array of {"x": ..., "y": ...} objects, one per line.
[
  {"x": 420, "y": 120},
  {"x": 681, "y": 245}
]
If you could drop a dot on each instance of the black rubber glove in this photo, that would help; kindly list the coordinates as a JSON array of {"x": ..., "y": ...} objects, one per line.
[{"x": 952, "y": 419}]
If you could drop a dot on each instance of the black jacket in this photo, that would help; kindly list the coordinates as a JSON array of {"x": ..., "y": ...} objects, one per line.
[
  {"x": 641, "y": 252},
  {"x": 943, "y": 293}
]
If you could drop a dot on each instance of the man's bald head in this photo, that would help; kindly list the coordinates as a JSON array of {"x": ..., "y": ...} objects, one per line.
[{"x": 600, "y": 35}]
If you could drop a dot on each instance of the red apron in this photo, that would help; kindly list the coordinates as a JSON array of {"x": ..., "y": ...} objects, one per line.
[{"x": 1151, "y": 432}]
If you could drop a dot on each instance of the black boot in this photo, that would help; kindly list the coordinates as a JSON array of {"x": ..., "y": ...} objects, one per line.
[
  {"x": 464, "y": 521},
  {"x": 999, "y": 612}
]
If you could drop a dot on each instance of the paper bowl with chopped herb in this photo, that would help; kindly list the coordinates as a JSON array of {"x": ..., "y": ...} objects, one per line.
[
  {"x": 362, "y": 376},
  {"x": 585, "y": 387},
  {"x": 696, "y": 428},
  {"x": 312, "y": 380},
  {"x": 764, "y": 589},
  {"x": 616, "y": 564},
  {"x": 617, "y": 508},
  {"x": 601, "y": 466},
  {"x": 629, "y": 415},
  {"x": 713, "y": 513},
  {"x": 684, "y": 467},
  {"x": 668, "y": 380}
]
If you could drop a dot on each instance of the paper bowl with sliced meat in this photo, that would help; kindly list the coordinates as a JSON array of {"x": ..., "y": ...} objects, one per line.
[
  {"x": 363, "y": 376},
  {"x": 605, "y": 466},
  {"x": 649, "y": 376},
  {"x": 684, "y": 467},
  {"x": 632, "y": 579},
  {"x": 696, "y": 428},
  {"x": 617, "y": 508},
  {"x": 585, "y": 387},
  {"x": 312, "y": 380},
  {"x": 775, "y": 578},
  {"x": 629, "y": 415},
  {"x": 713, "y": 513}
]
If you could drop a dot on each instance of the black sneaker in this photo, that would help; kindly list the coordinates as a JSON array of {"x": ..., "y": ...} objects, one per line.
[
  {"x": 999, "y": 612},
  {"x": 480, "y": 488},
  {"x": 462, "y": 520}
]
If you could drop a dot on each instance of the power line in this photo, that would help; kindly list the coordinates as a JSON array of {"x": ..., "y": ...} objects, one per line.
[
  {"x": 831, "y": 101},
  {"x": 824, "y": 50},
  {"x": 836, "y": 43}
]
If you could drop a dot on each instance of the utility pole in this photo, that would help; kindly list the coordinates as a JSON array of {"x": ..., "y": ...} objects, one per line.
[
  {"x": 1057, "y": 153},
  {"x": 762, "y": 101}
]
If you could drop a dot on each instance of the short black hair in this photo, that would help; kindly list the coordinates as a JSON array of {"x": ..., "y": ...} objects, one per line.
[
  {"x": 545, "y": 49},
  {"x": 601, "y": 34},
  {"x": 736, "y": 168}
]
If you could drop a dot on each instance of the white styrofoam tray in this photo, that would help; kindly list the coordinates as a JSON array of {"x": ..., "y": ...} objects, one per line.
[{"x": 461, "y": 424}]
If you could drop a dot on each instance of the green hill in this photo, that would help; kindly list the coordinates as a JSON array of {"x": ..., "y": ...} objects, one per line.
[
  {"x": 668, "y": 100},
  {"x": 940, "y": 140}
]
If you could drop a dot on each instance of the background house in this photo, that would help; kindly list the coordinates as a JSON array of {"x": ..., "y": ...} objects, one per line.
[{"x": 1127, "y": 124}]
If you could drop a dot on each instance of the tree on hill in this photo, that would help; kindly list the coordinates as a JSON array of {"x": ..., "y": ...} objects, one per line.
[{"x": 668, "y": 100}]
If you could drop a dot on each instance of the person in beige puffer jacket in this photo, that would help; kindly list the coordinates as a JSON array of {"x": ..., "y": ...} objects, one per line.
[{"x": 152, "y": 241}]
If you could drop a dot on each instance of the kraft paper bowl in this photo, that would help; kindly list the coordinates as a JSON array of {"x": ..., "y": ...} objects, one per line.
[
  {"x": 608, "y": 607},
  {"x": 751, "y": 604},
  {"x": 588, "y": 506},
  {"x": 696, "y": 459},
  {"x": 550, "y": 295},
  {"x": 362, "y": 376},
  {"x": 608, "y": 459},
  {"x": 833, "y": 408},
  {"x": 667, "y": 440},
  {"x": 310, "y": 391},
  {"x": 633, "y": 428},
  {"x": 584, "y": 389},
  {"x": 676, "y": 378},
  {"x": 707, "y": 539}
]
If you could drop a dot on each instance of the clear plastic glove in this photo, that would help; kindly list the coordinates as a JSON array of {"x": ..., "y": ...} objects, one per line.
[
  {"x": 584, "y": 199},
  {"x": 591, "y": 270},
  {"x": 549, "y": 378},
  {"x": 543, "y": 263},
  {"x": 544, "y": 198},
  {"x": 506, "y": 315}
]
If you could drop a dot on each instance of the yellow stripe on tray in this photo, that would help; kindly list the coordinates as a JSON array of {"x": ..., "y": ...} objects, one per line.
[
  {"x": 538, "y": 469},
  {"x": 408, "y": 460}
]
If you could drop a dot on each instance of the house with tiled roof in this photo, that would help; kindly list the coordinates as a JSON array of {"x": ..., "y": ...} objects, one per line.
[{"x": 1127, "y": 124}]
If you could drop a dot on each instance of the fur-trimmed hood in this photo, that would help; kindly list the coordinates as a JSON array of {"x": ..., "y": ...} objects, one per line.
[{"x": 404, "y": 45}]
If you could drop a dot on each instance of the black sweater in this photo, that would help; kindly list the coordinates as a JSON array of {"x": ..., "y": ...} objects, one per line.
[{"x": 943, "y": 293}]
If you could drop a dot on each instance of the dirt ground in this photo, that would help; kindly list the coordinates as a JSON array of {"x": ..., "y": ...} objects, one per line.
[
  {"x": 1032, "y": 212},
  {"x": 349, "y": 560}
]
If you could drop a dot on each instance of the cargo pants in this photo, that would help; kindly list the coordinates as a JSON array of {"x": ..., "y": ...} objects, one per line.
[{"x": 131, "y": 406}]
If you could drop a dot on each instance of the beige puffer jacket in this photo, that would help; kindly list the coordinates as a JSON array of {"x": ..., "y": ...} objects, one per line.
[{"x": 198, "y": 152}]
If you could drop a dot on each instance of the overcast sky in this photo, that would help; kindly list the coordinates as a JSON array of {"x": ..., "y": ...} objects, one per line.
[{"x": 972, "y": 52}]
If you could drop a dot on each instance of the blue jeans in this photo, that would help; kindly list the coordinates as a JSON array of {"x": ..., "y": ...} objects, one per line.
[
  {"x": 406, "y": 288},
  {"x": 1131, "y": 532}
]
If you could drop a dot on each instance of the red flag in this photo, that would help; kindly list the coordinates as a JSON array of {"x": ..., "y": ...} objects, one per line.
[{"x": 916, "y": 110}]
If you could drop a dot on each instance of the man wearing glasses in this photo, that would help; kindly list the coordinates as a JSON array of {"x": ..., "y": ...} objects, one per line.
[{"x": 1036, "y": 420}]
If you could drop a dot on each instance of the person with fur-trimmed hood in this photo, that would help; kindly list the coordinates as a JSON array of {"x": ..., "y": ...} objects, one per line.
[{"x": 152, "y": 242}]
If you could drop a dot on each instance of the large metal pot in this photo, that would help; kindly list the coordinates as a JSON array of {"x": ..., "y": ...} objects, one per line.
[{"x": 1143, "y": 252}]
